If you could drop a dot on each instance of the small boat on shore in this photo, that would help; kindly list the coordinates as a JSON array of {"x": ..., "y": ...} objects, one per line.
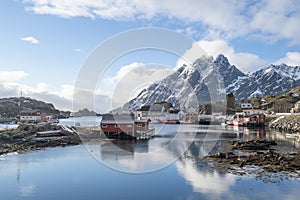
[
  {"x": 52, "y": 133},
  {"x": 64, "y": 131}
]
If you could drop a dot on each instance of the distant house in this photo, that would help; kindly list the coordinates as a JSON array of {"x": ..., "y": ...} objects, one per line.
[
  {"x": 51, "y": 118},
  {"x": 296, "y": 108},
  {"x": 253, "y": 111},
  {"x": 143, "y": 112},
  {"x": 246, "y": 105},
  {"x": 31, "y": 115},
  {"x": 191, "y": 118},
  {"x": 156, "y": 112}
]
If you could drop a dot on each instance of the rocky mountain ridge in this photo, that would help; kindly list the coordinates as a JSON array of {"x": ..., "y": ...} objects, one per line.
[{"x": 208, "y": 79}]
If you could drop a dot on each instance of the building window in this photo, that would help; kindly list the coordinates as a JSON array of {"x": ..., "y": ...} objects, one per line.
[
  {"x": 117, "y": 126},
  {"x": 129, "y": 126},
  {"x": 104, "y": 125},
  {"x": 139, "y": 125}
]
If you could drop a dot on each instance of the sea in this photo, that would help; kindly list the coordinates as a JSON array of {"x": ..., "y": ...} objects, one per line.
[{"x": 165, "y": 167}]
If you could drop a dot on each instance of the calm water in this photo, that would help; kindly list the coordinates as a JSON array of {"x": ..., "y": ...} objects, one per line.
[{"x": 85, "y": 172}]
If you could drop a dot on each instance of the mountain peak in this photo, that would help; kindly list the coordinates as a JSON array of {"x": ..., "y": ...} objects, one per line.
[
  {"x": 191, "y": 81},
  {"x": 221, "y": 59}
]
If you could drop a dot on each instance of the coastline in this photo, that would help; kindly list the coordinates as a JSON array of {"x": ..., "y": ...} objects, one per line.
[
  {"x": 289, "y": 124},
  {"x": 24, "y": 138},
  {"x": 238, "y": 157},
  {"x": 261, "y": 158}
]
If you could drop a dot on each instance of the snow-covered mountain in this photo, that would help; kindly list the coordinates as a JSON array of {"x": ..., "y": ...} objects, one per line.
[
  {"x": 273, "y": 80},
  {"x": 207, "y": 80}
]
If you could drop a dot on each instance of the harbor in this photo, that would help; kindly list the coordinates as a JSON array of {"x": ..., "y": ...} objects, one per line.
[{"x": 191, "y": 174}]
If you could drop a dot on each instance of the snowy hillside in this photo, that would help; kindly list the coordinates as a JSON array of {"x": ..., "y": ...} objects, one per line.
[{"x": 209, "y": 80}]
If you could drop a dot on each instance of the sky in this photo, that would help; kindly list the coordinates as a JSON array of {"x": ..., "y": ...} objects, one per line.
[{"x": 45, "y": 43}]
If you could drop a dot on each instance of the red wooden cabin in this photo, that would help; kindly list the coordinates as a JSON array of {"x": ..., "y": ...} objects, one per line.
[{"x": 123, "y": 125}]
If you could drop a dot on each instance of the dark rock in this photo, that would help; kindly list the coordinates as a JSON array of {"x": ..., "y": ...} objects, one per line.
[{"x": 241, "y": 163}]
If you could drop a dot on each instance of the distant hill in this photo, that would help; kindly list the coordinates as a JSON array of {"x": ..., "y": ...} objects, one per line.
[
  {"x": 11, "y": 107},
  {"x": 281, "y": 103},
  {"x": 84, "y": 112}
]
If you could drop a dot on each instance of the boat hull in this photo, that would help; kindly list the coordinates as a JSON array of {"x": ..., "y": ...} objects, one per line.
[{"x": 172, "y": 122}]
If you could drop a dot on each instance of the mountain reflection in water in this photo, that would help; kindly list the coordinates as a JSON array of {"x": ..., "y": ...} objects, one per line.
[{"x": 71, "y": 172}]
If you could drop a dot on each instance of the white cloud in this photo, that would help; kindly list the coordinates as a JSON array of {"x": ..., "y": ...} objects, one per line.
[
  {"x": 244, "y": 61},
  {"x": 276, "y": 20},
  {"x": 11, "y": 76},
  {"x": 291, "y": 58},
  {"x": 66, "y": 92},
  {"x": 131, "y": 79},
  {"x": 270, "y": 20},
  {"x": 62, "y": 97},
  {"x": 30, "y": 39},
  {"x": 188, "y": 31}
]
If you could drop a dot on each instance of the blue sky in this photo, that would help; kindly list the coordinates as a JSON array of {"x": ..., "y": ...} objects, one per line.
[{"x": 44, "y": 43}]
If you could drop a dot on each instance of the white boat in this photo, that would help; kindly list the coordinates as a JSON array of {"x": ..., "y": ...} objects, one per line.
[{"x": 235, "y": 123}]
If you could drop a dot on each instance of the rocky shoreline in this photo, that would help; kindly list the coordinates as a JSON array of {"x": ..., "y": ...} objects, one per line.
[
  {"x": 24, "y": 138},
  {"x": 261, "y": 158},
  {"x": 258, "y": 157},
  {"x": 289, "y": 124}
]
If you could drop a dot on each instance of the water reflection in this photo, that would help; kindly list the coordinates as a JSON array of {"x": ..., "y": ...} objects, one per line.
[
  {"x": 71, "y": 173},
  {"x": 145, "y": 156},
  {"x": 203, "y": 179},
  {"x": 27, "y": 190}
]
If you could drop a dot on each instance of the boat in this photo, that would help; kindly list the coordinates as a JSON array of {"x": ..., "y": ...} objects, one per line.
[
  {"x": 52, "y": 133},
  {"x": 67, "y": 130},
  {"x": 209, "y": 120},
  {"x": 172, "y": 122},
  {"x": 64, "y": 131},
  {"x": 235, "y": 123}
]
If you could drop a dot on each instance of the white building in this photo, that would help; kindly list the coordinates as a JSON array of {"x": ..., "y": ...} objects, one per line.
[
  {"x": 246, "y": 105},
  {"x": 31, "y": 115}
]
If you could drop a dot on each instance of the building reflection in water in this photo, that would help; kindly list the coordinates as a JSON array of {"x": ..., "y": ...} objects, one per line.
[{"x": 154, "y": 154}]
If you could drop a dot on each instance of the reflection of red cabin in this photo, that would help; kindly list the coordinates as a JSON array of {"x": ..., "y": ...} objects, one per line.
[
  {"x": 122, "y": 125},
  {"x": 251, "y": 120},
  {"x": 257, "y": 119}
]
